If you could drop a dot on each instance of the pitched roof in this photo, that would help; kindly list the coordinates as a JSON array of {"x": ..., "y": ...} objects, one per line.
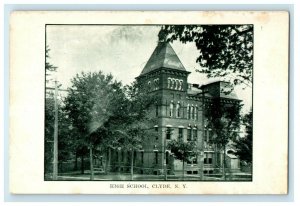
[
  {"x": 163, "y": 56},
  {"x": 220, "y": 89}
]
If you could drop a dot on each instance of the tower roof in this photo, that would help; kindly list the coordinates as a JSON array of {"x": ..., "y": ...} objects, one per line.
[{"x": 163, "y": 56}]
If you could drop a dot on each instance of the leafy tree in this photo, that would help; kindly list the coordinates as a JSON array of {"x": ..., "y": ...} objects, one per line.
[
  {"x": 183, "y": 151},
  {"x": 49, "y": 131},
  {"x": 224, "y": 121},
  {"x": 65, "y": 143},
  {"x": 136, "y": 123},
  {"x": 225, "y": 51},
  {"x": 244, "y": 145},
  {"x": 49, "y": 116},
  {"x": 92, "y": 100}
]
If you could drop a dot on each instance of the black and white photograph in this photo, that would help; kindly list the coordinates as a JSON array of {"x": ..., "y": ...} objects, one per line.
[{"x": 148, "y": 102}]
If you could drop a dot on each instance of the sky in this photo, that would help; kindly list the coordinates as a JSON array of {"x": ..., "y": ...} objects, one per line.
[{"x": 122, "y": 51}]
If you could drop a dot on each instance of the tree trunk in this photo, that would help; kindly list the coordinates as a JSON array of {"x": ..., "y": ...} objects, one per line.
[
  {"x": 91, "y": 164},
  {"x": 182, "y": 169},
  {"x": 108, "y": 159},
  {"x": 131, "y": 169},
  {"x": 76, "y": 162},
  {"x": 82, "y": 164},
  {"x": 224, "y": 162}
]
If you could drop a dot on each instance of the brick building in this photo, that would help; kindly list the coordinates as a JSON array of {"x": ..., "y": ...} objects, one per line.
[{"x": 179, "y": 115}]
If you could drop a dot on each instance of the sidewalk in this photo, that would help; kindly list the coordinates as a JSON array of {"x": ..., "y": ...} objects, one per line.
[{"x": 76, "y": 176}]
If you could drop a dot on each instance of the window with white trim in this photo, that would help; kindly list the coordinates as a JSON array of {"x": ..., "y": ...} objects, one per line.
[{"x": 178, "y": 109}]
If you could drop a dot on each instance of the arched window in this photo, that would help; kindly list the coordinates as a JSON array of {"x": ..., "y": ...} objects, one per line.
[
  {"x": 172, "y": 83},
  {"x": 149, "y": 85},
  {"x": 171, "y": 109},
  {"x": 169, "y": 82},
  {"x": 192, "y": 111},
  {"x": 188, "y": 111},
  {"x": 195, "y": 133},
  {"x": 177, "y": 84},
  {"x": 189, "y": 134},
  {"x": 195, "y": 113},
  {"x": 180, "y": 85},
  {"x": 178, "y": 109}
]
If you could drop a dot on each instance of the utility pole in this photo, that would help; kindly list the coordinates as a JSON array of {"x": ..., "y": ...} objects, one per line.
[
  {"x": 55, "y": 138},
  {"x": 165, "y": 156},
  {"x": 55, "y": 144}
]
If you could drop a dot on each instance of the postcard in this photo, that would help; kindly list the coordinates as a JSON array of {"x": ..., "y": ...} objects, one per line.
[{"x": 149, "y": 102}]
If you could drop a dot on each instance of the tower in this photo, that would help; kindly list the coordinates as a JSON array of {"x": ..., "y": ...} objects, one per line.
[{"x": 165, "y": 75}]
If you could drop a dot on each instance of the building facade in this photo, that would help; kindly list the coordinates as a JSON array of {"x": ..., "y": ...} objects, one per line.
[{"x": 179, "y": 113}]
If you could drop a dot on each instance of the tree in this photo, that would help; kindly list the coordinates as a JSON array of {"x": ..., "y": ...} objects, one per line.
[
  {"x": 49, "y": 116},
  {"x": 223, "y": 119},
  {"x": 92, "y": 100},
  {"x": 183, "y": 151},
  {"x": 135, "y": 123},
  {"x": 244, "y": 145},
  {"x": 49, "y": 131},
  {"x": 49, "y": 68},
  {"x": 65, "y": 142},
  {"x": 225, "y": 51}
]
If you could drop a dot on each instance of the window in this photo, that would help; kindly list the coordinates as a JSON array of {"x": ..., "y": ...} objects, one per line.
[
  {"x": 156, "y": 110},
  {"x": 149, "y": 85},
  {"x": 172, "y": 83},
  {"x": 156, "y": 157},
  {"x": 171, "y": 109},
  {"x": 195, "y": 113},
  {"x": 208, "y": 135},
  {"x": 178, "y": 109},
  {"x": 188, "y": 111},
  {"x": 167, "y": 157},
  {"x": 195, "y": 134},
  {"x": 177, "y": 84},
  {"x": 189, "y": 134},
  {"x": 192, "y": 160},
  {"x": 191, "y": 112},
  {"x": 168, "y": 133},
  {"x": 180, "y": 133},
  {"x": 208, "y": 158},
  {"x": 169, "y": 82},
  {"x": 180, "y": 85}
]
